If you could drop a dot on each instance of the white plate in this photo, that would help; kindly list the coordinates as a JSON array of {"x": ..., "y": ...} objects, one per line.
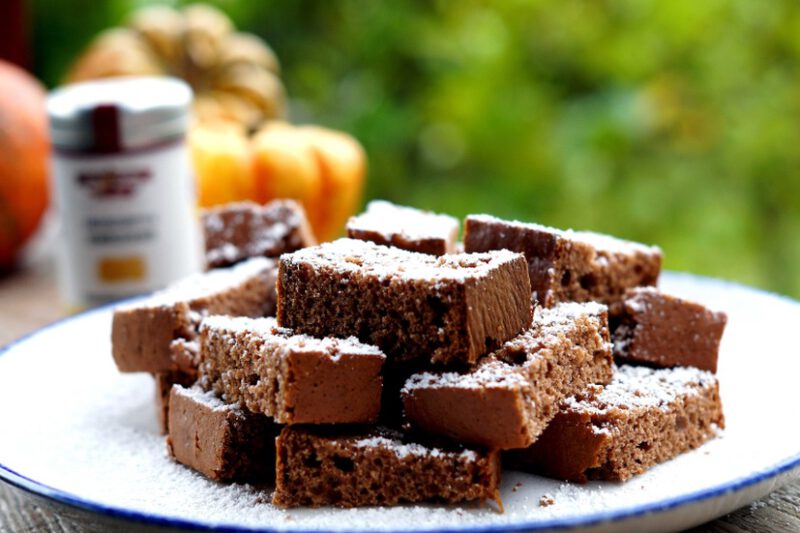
[{"x": 77, "y": 432}]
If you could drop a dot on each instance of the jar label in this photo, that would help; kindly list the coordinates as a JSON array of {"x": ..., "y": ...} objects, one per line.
[{"x": 129, "y": 224}]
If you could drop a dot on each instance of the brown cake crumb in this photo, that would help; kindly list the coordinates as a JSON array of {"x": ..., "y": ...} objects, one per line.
[
  {"x": 508, "y": 399},
  {"x": 665, "y": 331},
  {"x": 405, "y": 227},
  {"x": 219, "y": 440},
  {"x": 351, "y": 467},
  {"x": 568, "y": 265},
  {"x": 142, "y": 333},
  {"x": 447, "y": 309},
  {"x": 546, "y": 500},
  {"x": 292, "y": 378},
  {"x": 643, "y": 417},
  {"x": 237, "y": 231}
]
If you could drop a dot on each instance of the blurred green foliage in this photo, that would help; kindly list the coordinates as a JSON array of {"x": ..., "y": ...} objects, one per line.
[{"x": 675, "y": 123}]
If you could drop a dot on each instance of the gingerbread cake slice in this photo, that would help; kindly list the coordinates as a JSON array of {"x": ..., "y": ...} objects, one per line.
[
  {"x": 185, "y": 355},
  {"x": 164, "y": 382},
  {"x": 237, "y": 231},
  {"x": 142, "y": 332},
  {"x": 665, "y": 331},
  {"x": 452, "y": 308},
  {"x": 295, "y": 379},
  {"x": 405, "y": 227},
  {"x": 221, "y": 441},
  {"x": 643, "y": 417},
  {"x": 508, "y": 399},
  {"x": 566, "y": 265},
  {"x": 318, "y": 466}
]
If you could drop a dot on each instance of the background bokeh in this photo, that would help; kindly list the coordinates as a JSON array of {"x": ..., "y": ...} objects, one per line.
[{"x": 675, "y": 123}]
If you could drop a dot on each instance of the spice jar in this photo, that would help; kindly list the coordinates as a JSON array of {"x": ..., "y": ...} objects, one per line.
[{"x": 123, "y": 188}]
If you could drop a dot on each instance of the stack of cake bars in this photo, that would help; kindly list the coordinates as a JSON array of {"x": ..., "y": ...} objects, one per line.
[{"x": 398, "y": 365}]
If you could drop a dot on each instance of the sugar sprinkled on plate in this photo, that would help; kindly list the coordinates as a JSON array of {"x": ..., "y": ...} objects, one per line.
[{"x": 110, "y": 451}]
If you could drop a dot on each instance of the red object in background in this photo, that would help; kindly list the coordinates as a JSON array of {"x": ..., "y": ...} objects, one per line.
[
  {"x": 24, "y": 156},
  {"x": 14, "y": 32}
]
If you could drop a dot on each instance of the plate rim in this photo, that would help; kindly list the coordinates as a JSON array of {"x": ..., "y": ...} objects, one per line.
[{"x": 789, "y": 466}]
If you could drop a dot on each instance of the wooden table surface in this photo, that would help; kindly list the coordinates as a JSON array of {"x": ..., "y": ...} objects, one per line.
[{"x": 28, "y": 300}]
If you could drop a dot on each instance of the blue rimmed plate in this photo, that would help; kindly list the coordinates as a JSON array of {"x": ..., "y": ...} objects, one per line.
[{"x": 80, "y": 435}]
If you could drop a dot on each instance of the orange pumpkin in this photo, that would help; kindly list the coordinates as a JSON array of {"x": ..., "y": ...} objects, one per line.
[
  {"x": 342, "y": 163},
  {"x": 24, "y": 154},
  {"x": 321, "y": 168},
  {"x": 285, "y": 167},
  {"x": 222, "y": 164}
]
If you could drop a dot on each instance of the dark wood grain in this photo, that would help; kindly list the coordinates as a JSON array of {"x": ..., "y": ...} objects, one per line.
[
  {"x": 779, "y": 511},
  {"x": 28, "y": 300},
  {"x": 20, "y": 513}
]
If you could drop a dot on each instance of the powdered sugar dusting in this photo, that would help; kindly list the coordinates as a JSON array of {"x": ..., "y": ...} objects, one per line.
[
  {"x": 206, "y": 284},
  {"x": 637, "y": 300},
  {"x": 225, "y": 253},
  {"x": 599, "y": 241},
  {"x": 403, "y": 450},
  {"x": 351, "y": 255},
  {"x": 553, "y": 325},
  {"x": 565, "y": 313},
  {"x": 561, "y": 318},
  {"x": 640, "y": 300},
  {"x": 645, "y": 290},
  {"x": 246, "y": 229},
  {"x": 490, "y": 374},
  {"x": 638, "y": 387},
  {"x": 388, "y": 220},
  {"x": 550, "y": 327},
  {"x": 268, "y": 329},
  {"x": 207, "y": 398},
  {"x": 240, "y": 324}
]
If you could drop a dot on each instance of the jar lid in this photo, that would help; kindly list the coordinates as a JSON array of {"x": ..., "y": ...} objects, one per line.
[{"x": 117, "y": 114}]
